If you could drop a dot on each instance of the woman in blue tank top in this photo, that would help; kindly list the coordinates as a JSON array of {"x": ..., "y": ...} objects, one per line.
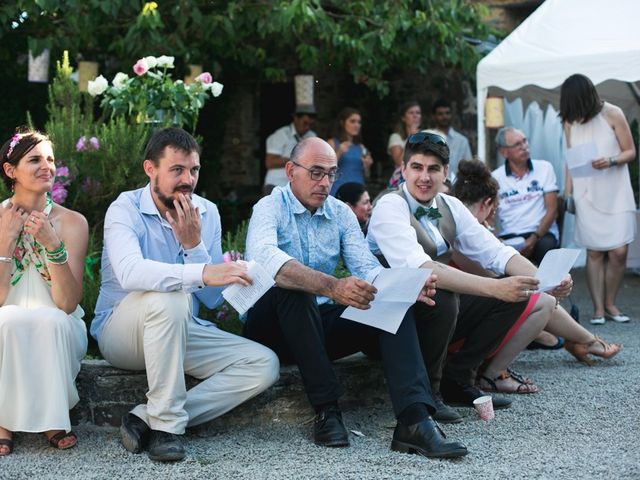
[{"x": 354, "y": 160}]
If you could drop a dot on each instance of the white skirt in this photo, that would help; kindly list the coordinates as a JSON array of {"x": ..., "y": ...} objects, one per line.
[{"x": 40, "y": 352}]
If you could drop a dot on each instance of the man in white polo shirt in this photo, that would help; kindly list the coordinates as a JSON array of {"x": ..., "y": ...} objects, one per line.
[
  {"x": 528, "y": 197},
  {"x": 281, "y": 142}
]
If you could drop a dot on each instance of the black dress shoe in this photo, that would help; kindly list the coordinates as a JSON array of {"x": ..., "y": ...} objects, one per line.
[
  {"x": 135, "y": 433},
  {"x": 425, "y": 438},
  {"x": 328, "y": 428},
  {"x": 444, "y": 413},
  {"x": 463, "y": 395},
  {"x": 165, "y": 447}
]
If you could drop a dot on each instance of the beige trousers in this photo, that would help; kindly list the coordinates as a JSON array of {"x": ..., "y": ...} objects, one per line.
[{"x": 154, "y": 331}]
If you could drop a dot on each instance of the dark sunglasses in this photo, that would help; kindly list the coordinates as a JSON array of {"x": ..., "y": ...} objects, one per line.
[{"x": 426, "y": 137}]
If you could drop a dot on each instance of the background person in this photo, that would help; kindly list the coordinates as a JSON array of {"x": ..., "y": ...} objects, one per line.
[
  {"x": 605, "y": 206},
  {"x": 528, "y": 206},
  {"x": 42, "y": 335},
  {"x": 354, "y": 159},
  {"x": 459, "y": 148},
  {"x": 408, "y": 124},
  {"x": 281, "y": 142},
  {"x": 356, "y": 196}
]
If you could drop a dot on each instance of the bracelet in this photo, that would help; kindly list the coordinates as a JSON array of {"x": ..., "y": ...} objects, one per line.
[
  {"x": 6, "y": 259},
  {"x": 613, "y": 161},
  {"x": 56, "y": 251}
]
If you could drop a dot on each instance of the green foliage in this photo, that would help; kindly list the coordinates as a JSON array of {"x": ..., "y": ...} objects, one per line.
[
  {"x": 235, "y": 241},
  {"x": 96, "y": 176},
  {"x": 371, "y": 39}
]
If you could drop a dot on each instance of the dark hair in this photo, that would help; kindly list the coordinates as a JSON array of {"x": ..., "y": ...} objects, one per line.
[
  {"x": 339, "y": 131},
  {"x": 474, "y": 182},
  {"x": 28, "y": 140},
  {"x": 440, "y": 103},
  {"x": 426, "y": 147},
  {"x": 400, "y": 128},
  {"x": 350, "y": 192},
  {"x": 579, "y": 99},
  {"x": 169, "y": 137}
]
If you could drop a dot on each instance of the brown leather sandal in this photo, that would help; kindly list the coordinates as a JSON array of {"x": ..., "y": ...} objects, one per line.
[
  {"x": 581, "y": 350},
  {"x": 6, "y": 442},
  {"x": 55, "y": 440}
]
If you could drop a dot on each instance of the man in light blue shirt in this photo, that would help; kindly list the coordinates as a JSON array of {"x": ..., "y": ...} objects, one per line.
[
  {"x": 162, "y": 259},
  {"x": 298, "y": 233}
]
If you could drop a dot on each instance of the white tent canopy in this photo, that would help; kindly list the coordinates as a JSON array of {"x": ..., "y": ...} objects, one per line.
[{"x": 598, "y": 38}]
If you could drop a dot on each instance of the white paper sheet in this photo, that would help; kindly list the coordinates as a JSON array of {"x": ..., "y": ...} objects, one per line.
[
  {"x": 579, "y": 160},
  {"x": 555, "y": 266},
  {"x": 243, "y": 298},
  {"x": 398, "y": 289}
]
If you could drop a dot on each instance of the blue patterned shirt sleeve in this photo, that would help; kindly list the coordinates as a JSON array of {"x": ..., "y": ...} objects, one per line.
[{"x": 281, "y": 229}]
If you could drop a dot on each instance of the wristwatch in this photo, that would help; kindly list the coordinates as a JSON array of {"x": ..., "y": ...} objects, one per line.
[{"x": 613, "y": 161}]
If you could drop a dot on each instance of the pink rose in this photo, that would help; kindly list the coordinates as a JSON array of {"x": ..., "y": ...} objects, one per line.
[
  {"x": 81, "y": 145},
  {"x": 204, "y": 77},
  {"x": 59, "y": 193},
  {"x": 141, "y": 67},
  {"x": 62, "y": 171}
]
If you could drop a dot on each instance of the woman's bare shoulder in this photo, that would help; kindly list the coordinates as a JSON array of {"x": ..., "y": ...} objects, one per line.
[{"x": 70, "y": 218}]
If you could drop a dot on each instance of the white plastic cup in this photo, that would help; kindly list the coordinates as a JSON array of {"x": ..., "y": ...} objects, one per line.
[{"x": 484, "y": 407}]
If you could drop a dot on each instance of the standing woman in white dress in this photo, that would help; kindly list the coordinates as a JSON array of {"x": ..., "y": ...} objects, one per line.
[
  {"x": 605, "y": 207},
  {"x": 42, "y": 335}
]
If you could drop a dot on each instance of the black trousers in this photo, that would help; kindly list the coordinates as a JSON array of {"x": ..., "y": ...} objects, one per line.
[
  {"x": 301, "y": 332},
  {"x": 543, "y": 245},
  {"x": 482, "y": 323}
]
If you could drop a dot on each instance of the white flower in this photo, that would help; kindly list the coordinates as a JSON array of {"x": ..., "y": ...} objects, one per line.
[
  {"x": 120, "y": 81},
  {"x": 151, "y": 61},
  {"x": 97, "y": 86},
  {"x": 165, "y": 61},
  {"x": 216, "y": 88}
]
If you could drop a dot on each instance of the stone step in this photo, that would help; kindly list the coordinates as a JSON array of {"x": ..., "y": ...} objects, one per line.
[{"x": 107, "y": 393}]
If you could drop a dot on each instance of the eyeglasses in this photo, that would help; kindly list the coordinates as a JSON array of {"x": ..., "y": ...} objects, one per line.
[
  {"x": 430, "y": 142},
  {"x": 318, "y": 174},
  {"x": 518, "y": 144}
]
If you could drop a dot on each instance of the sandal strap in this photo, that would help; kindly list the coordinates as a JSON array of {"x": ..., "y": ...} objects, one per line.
[{"x": 55, "y": 440}]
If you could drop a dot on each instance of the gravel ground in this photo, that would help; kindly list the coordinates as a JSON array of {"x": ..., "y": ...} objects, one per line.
[{"x": 585, "y": 423}]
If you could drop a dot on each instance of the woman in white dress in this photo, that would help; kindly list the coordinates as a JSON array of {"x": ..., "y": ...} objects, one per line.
[
  {"x": 42, "y": 335},
  {"x": 604, "y": 203}
]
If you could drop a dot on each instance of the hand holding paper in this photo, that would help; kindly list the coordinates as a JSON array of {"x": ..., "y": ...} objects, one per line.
[
  {"x": 398, "y": 289},
  {"x": 555, "y": 267},
  {"x": 242, "y": 298}
]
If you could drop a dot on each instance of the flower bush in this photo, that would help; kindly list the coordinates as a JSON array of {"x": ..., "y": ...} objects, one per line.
[{"x": 152, "y": 95}]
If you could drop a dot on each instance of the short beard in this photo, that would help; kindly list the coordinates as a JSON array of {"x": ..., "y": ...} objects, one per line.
[{"x": 166, "y": 201}]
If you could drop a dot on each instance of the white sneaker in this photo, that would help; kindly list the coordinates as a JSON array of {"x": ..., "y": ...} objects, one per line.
[
  {"x": 620, "y": 318},
  {"x": 597, "y": 321}
]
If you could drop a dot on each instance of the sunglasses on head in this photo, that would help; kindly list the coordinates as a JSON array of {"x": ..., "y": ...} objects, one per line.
[{"x": 426, "y": 137}]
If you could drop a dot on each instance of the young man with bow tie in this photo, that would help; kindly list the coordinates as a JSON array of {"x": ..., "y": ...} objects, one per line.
[{"x": 415, "y": 226}]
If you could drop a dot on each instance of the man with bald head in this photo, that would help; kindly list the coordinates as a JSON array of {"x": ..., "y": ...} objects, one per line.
[{"x": 298, "y": 233}]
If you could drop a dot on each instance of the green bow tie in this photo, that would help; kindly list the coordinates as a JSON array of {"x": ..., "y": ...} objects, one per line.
[{"x": 432, "y": 213}]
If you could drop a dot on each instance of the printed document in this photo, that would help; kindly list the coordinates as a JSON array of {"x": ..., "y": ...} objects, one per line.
[
  {"x": 579, "y": 160},
  {"x": 398, "y": 289},
  {"x": 243, "y": 298},
  {"x": 555, "y": 266}
]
